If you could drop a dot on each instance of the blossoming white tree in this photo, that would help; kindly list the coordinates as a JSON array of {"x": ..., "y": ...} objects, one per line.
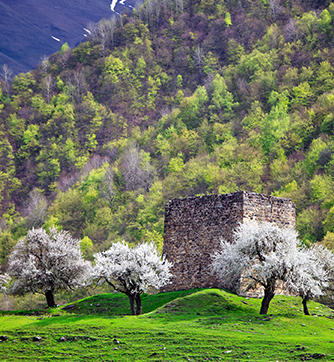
[
  {"x": 45, "y": 263},
  {"x": 261, "y": 255},
  {"x": 4, "y": 281},
  {"x": 132, "y": 270},
  {"x": 4, "y": 285},
  {"x": 310, "y": 272}
]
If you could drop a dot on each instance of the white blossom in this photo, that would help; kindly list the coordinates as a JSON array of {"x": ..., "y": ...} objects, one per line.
[
  {"x": 132, "y": 270},
  {"x": 307, "y": 276},
  {"x": 4, "y": 281},
  {"x": 45, "y": 263},
  {"x": 310, "y": 272},
  {"x": 260, "y": 255}
]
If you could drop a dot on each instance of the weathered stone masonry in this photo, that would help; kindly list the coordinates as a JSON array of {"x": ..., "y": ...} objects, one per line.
[{"x": 194, "y": 227}]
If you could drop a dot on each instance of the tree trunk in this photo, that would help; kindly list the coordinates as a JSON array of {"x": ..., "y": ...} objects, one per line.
[
  {"x": 139, "y": 305},
  {"x": 132, "y": 298},
  {"x": 306, "y": 312},
  {"x": 50, "y": 299},
  {"x": 268, "y": 296}
]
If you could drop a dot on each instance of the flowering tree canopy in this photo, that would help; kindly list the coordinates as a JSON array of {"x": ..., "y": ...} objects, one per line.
[
  {"x": 4, "y": 281},
  {"x": 45, "y": 263},
  {"x": 310, "y": 272},
  {"x": 261, "y": 255},
  {"x": 132, "y": 270}
]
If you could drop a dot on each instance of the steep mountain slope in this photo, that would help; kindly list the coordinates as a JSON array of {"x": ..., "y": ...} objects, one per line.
[
  {"x": 181, "y": 98},
  {"x": 27, "y": 27}
]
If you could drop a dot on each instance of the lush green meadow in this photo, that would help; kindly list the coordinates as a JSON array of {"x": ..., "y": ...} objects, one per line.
[{"x": 205, "y": 325}]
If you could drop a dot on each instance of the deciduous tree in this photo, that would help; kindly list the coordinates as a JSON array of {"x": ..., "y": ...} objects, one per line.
[
  {"x": 4, "y": 281},
  {"x": 36, "y": 210},
  {"x": 45, "y": 263},
  {"x": 48, "y": 85},
  {"x": 6, "y": 74},
  {"x": 310, "y": 273},
  {"x": 137, "y": 169},
  {"x": 132, "y": 271},
  {"x": 260, "y": 256}
]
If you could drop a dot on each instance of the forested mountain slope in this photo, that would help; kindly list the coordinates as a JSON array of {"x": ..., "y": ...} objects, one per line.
[{"x": 181, "y": 98}]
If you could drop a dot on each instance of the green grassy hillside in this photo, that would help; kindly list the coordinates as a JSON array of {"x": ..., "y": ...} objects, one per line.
[{"x": 206, "y": 325}]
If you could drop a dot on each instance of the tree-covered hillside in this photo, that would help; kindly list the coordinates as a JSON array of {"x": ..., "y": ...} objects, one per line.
[{"x": 179, "y": 98}]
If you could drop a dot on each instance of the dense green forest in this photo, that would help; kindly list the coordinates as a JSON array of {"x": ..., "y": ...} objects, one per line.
[{"x": 178, "y": 98}]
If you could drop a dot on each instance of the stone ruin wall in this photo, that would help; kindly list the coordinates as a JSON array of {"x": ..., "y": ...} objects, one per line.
[{"x": 194, "y": 227}]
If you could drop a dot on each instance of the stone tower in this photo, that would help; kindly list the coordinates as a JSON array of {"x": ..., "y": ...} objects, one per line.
[{"x": 194, "y": 227}]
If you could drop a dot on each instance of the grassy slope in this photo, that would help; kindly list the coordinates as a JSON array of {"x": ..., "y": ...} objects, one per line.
[{"x": 204, "y": 325}]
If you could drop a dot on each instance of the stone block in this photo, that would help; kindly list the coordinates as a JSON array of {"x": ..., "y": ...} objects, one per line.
[{"x": 195, "y": 226}]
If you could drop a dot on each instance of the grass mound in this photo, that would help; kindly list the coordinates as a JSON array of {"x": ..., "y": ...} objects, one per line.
[
  {"x": 220, "y": 302},
  {"x": 118, "y": 304},
  {"x": 107, "y": 304},
  {"x": 203, "y": 325}
]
